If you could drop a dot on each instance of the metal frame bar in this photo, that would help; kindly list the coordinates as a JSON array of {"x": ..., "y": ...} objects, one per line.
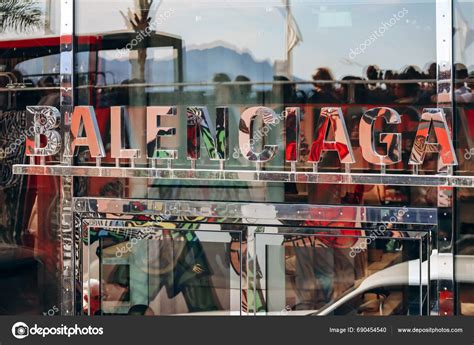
[
  {"x": 254, "y": 212},
  {"x": 249, "y": 175},
  {"x": 445, "y": 99},
  {"x": 68, "y": 242}
]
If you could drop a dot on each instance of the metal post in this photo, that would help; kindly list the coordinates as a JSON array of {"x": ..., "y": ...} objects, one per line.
[
  {"x": 444, "y": 84},
  {"x": 67, "y": 240}
]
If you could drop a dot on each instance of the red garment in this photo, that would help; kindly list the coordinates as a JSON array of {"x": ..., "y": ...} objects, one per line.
[{"x": 334, "y": 219}]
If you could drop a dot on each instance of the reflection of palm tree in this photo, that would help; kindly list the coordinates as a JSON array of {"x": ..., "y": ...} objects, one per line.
[
  {"x": 19, "y": 15},
  {"x": 139, "y": 22}
]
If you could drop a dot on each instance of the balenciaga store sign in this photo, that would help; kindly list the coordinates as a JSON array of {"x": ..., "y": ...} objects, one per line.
[{"x": 215, "y": 158}]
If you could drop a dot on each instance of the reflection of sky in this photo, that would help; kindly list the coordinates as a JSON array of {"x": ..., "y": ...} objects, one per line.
[
  {"x": 411, "y": 41},
  {"x": 330, "y": 28},
  {"x": 259, "y": 27}
]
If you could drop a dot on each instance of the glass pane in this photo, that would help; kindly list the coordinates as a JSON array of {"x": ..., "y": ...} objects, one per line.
[
  {"x": 145, "y": 271},
  {"x": 334, "y": 272},
  {"x": 464, "y": 97},
  {"x": 29, "y": 216},
  {"x": 311, "y": 55},
  {"x": 348, "y": 54}
]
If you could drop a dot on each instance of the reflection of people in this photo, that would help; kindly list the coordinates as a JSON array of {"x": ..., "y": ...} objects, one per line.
[
  {"x": 470, "y": 80},
  {"x": 324, "y": 270},
  {"x": 429, "y": 89},
  {"x": 50, "y": 96},
  {"x": 470, "y": 85},
  {"x": 373, "y": 72},
  {"x": 354, "y": 93},
  {"x": 244, "y": 90},
  {"x": 222, "y": 93},
  {"x": 323, "y": 92},
  {"x": 462, "y": 92},
  {"x": 283, "y": 93},
  {"x": 22, "y": 96},
  {"x": 375, "y": 91},
  {"x": 408, "y": 93}
]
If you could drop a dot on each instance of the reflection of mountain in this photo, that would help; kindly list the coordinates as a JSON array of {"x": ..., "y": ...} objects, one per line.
[{"x": 200, "y": 66}]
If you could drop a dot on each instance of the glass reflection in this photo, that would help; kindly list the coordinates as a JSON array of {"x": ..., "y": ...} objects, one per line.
[
  {"x": 463, "y": 71},
  {"x": 323, "y": 274},
  {"x": 172, "y": 270},
  {"x": 351, "y": 55},
  {"x": 157, "y": 58},
  {"x": 29, "y": 219}
]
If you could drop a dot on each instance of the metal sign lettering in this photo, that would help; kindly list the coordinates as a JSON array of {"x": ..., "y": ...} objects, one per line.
[
  {"x": 392, "y": 141},
  {"x": 332, "y": 118},
  {"x": 85, "y": 133}
]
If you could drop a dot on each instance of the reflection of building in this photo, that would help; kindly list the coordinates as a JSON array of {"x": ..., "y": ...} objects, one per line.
[{"x": 251, "y": 233}]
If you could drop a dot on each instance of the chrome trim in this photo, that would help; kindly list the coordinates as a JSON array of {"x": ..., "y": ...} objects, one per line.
[
  {"x": 255, "y": 211},
  {"x": 248, "y": 175},
  {"x": 68, "y": 253},
  {"x": 444, "y": 239}
]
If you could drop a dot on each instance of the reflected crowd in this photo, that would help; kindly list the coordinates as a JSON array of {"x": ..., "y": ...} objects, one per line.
[{"x": 411, "y": 86}]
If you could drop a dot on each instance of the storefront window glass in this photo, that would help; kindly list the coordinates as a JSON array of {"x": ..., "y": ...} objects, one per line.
[
  {"x": 29, "y": 217},
  {"x": 241, "y": 92},
  {"x": 464, "y": 100}
]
